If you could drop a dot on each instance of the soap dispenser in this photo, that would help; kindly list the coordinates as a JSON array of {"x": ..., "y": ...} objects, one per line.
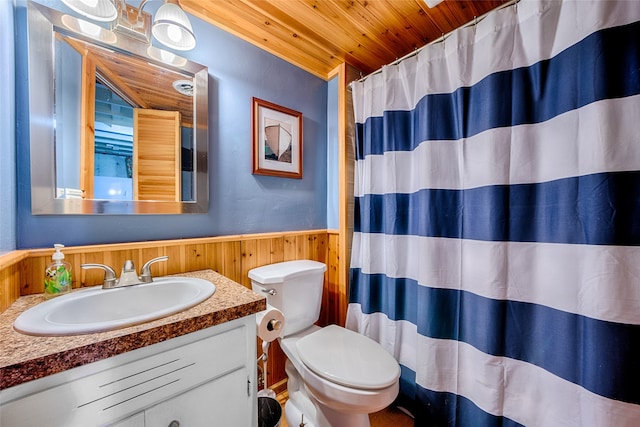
[{"x": 57, "y": 275}]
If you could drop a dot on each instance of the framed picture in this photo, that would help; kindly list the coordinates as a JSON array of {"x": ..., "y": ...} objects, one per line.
[{"x": 277, "y": 140}]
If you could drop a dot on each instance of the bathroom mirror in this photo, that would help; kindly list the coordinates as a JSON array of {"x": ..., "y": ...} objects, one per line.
[{"x": 117, "y": 126}]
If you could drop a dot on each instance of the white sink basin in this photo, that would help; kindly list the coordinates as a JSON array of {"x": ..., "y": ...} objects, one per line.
[{"x": 97, "y": 310}]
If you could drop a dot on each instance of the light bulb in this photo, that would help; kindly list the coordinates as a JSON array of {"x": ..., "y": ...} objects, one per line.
[{"x": 174, "y": 33}]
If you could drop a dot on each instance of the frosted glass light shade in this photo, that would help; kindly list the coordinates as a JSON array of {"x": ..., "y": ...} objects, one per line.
[
  {"x": 98, "y": 10},
  {"x": 172, "y": 28}
]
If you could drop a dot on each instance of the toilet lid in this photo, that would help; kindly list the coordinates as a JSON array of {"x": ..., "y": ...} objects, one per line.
[{"x": 348, "y": 358}]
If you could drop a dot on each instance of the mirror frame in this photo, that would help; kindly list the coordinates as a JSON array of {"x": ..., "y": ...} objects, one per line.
[{"x": 42, "y": 23}]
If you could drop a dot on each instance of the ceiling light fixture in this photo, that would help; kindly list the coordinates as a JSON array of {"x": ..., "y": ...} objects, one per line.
[
  {"x": 171, "y": 25},
  {"x": 185, "y": 87},
  {"x": 98, "y": 10},
  {"x": 172, "y": 28},
  {"x": 432, "y": 3}
]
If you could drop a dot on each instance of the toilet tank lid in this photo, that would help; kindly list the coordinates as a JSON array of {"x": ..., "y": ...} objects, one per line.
[{"x": 279, "y": 272}]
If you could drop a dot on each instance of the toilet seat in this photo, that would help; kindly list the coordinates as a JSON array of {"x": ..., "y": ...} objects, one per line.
[{"x": 348, "y": 358}]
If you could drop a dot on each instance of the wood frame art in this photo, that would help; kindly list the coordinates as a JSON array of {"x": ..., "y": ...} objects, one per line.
[{"x": 276, "y": 140}]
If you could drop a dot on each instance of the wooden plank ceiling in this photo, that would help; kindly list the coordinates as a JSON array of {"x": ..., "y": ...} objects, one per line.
[{"x": 319, "y": 35}]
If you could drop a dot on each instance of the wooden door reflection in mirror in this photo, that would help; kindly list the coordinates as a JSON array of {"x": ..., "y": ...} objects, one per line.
[{"x": 156, "y": 155}]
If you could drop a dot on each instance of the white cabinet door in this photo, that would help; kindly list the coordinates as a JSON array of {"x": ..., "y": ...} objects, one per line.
[{"x": 223, "y": 402}]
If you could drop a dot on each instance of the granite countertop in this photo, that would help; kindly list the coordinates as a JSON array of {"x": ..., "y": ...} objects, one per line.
[{"x": 25, "y": 358}]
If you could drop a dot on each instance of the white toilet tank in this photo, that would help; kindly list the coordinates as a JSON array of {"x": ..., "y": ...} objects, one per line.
[{"x": 293, "y": 287}]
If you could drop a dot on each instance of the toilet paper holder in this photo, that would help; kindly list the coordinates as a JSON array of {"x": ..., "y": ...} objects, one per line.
[{"x": 274, "y": 325}]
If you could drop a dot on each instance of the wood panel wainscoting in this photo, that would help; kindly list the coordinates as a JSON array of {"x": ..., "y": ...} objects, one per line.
[{"x": 21, "y": 272}]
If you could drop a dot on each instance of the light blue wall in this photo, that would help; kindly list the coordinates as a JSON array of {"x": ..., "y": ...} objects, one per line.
[
  {"x": 239, "y": 201},
  {"x": 333, "y": 221},
  {"x": 7, "y": 131}
]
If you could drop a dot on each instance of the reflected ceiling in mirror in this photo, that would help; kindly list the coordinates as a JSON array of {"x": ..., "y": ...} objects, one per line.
[{"x": 82, "y": 122}]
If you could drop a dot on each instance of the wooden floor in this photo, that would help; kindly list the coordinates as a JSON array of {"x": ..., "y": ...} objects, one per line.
[{"x": 389, "y": 417}]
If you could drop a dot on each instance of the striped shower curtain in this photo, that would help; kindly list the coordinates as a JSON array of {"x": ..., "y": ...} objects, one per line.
[{"x": 496, "y": 251}]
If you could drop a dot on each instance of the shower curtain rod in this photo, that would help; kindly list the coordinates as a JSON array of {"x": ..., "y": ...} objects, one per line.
[{"x": 438, "y": 40}]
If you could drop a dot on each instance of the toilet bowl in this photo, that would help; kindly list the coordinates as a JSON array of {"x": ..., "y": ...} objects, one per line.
[{"x": 336, "y": 377}]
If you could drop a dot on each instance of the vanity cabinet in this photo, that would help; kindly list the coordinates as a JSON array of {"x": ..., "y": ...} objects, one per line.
[
  {"x": 209, "y": 404},
  {"x": 203, "y": 378}
]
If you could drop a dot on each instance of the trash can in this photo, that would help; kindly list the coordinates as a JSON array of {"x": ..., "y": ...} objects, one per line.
[{"x": 269, "y": 412}]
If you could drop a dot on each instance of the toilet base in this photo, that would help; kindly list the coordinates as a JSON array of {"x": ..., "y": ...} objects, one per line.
[{"x": 302, "y": 406}]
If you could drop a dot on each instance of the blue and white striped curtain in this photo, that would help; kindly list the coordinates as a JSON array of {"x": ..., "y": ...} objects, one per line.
[{"x": 496, "y": 251}]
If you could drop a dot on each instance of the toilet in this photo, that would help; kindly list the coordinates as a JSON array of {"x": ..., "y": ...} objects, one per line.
[{"x": 336, "y": 377}]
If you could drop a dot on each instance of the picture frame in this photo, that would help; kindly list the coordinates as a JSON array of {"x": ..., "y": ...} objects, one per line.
[{"x": 276, "y": 139}]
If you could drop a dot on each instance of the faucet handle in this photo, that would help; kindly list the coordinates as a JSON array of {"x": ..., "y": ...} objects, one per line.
[
  {"x": 109, "y": 275},
  {"x": 145, "y": 272}
]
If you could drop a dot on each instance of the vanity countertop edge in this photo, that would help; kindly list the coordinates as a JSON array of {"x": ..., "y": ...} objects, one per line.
[{"x": 25, "y": 358}]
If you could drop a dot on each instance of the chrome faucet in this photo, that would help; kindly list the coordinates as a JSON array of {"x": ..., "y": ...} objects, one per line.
[{"x": 128, "y": 276}]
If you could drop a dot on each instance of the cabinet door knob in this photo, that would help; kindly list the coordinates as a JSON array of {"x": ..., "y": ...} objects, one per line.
[{"x": 174, "y": 423}]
